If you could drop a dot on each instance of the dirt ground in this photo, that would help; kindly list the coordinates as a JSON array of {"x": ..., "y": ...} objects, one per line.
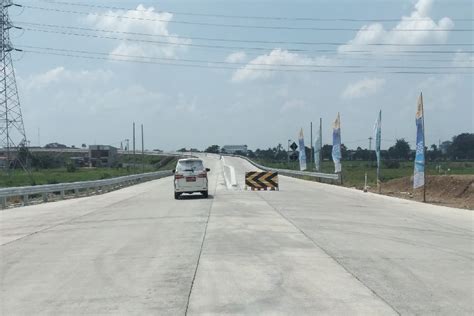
[{"x": 451, "y": 190}]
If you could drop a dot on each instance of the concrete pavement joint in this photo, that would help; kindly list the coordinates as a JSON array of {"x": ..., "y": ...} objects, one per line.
[
  {"x": 202, "y": 246},
  {"x": 326, "y": 252},
  {"x": 66, "y": 222}
]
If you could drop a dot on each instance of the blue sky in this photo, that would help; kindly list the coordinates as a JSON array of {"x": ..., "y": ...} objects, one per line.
[{"x": 76, "y": 100}]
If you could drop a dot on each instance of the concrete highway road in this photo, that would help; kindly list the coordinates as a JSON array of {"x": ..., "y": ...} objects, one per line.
[{"x": 309, "y": 248}]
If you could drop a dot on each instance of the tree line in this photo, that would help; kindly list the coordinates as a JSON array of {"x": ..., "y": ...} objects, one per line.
[{"x": 461, "y": 147}]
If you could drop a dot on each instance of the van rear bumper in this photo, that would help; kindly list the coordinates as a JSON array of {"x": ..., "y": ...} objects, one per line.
[{"x": 189, "y": 190}]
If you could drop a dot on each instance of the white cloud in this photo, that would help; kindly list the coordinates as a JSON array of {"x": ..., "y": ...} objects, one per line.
[
  {"x": 44, "y": 79},
  {"x": 255, "y": 69},
  {"x": 433, "y": 32},
  {"x": 236, "y": 57},
  {"x": 363, "y": 88},
  {"x": 142, "y": 20},
  {"x": 63, "y": 76}
]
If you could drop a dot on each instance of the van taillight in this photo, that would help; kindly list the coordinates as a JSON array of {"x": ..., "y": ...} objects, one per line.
[
  {"x": 202, "y": 175},
  {"x": 178, "y": 176}
]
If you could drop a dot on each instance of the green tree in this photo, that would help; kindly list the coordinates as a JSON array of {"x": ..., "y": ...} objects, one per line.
[
  {"x": 213, "y": 149},
  {"x": 462, "y": 147},
  {"x": 401, "y": 150},
  {"x": 434, "y": 153},
  {"x": 327, "y": 152}
]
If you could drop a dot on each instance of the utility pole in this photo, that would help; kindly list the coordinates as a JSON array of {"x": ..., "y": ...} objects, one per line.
[
  {"x": 288, "y": 154},
  {"x": 311, "y": 159},
  {"x": 143, "y": 152},
  {"x": 370, "y": 151},
  {"x": 12, "y": 129},
  {"x": 320, "y": 144},
  {"x": 134, "y": 153}
]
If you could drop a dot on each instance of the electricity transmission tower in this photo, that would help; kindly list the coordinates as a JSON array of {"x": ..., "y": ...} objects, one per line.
[{"x": 12, "y": 130}]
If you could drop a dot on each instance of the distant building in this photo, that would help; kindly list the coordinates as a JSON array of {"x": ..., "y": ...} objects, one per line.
[
  {"x": 103, "y": 155},
  {"x": 232, "y": 149},
  {"x": 55, "y": 145}
]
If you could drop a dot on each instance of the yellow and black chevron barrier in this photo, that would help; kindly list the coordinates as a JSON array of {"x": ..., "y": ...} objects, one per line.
[{"x": 261, "y": 180}]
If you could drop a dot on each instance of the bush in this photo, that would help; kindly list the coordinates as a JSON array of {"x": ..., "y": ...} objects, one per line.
[
  {"x": 71, "y": 167},
  {"x": 105, "y": 175},
  {"x": 391, "y": 164}
]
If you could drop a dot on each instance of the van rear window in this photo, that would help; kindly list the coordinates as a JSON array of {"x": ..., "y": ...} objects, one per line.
[{"x": 190, "y": 165}]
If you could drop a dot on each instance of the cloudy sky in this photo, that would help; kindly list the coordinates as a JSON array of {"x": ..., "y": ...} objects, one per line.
[{"x": 197, "y": 73}]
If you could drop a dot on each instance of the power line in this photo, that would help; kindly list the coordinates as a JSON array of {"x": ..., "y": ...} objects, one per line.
[
  {"x": 400, "y": 52},
  {"x": 241, "y": 25},
  {"x": 241, "y": 63},
  {"x": 237, "y": 40},
  {"x": 247, "y": 68},
  {"x": 191, "y": 38},
  {"x": 214, "y": 15}
]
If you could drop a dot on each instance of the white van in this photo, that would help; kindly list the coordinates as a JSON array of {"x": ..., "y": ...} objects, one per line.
[{"x": 190, "y": 176}]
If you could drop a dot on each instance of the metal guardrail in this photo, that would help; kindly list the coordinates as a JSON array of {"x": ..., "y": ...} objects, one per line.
[
  {"x": 61, "y": 188},
  {"x": 293, "y": 173},
  {"x": 119, "y": 151}
]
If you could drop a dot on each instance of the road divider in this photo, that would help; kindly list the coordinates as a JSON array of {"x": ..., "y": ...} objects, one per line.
[
  {"x": 332, "y": 177},
  {"x": 229, "y": 175}
]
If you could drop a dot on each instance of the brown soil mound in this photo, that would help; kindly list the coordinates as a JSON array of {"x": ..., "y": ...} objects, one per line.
[{"x": 452, "y": 190}]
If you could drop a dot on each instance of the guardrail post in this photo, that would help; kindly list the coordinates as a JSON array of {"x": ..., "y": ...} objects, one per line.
[
  {"x": 25, "y": 200},
  {"x": 62, "y": 194},
  {"x": 45, "y": 197},
  {"x": 76, "y": 192},
  {"x": 3, "y": 202}
]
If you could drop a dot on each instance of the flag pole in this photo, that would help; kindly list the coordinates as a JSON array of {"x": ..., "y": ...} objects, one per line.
[
  {"x": 379, "y": 187},
  {"x": 320, "y": 144},
  {"x": 424, "y": 150}
]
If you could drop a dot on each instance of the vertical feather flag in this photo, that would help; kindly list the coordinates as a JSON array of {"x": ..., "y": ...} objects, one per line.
[
  {"x": 419, "y": 173},
  {"x": 317, "y": 149},
  {"x": 336, "y": 144},
  {"x": 378, "y": 141},
  {"x": 302, "y": 155}
]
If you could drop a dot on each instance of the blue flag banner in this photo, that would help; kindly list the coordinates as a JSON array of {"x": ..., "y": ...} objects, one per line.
[
  {"x": 302, "y": 155},
  {"x": 378, "y": 137},
  {"x": 317, "y": 152},
  {"x": 336, "y": 144},
  {"x": 419, "y": 173}
]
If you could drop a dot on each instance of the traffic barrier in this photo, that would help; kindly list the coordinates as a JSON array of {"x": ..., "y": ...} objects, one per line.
[
  {"x": 336, "y": 177},
  {"x": 261, "y": 180}
]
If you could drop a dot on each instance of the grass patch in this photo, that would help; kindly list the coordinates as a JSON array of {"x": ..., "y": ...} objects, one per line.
[
  {"x": 62, "y": 175},
  {"x": 354, "y": 171}
]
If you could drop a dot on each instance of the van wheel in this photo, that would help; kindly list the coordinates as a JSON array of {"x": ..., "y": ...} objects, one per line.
[
  {"x": 177, "y": 195},
  {"x": 205, "y": 194}
]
